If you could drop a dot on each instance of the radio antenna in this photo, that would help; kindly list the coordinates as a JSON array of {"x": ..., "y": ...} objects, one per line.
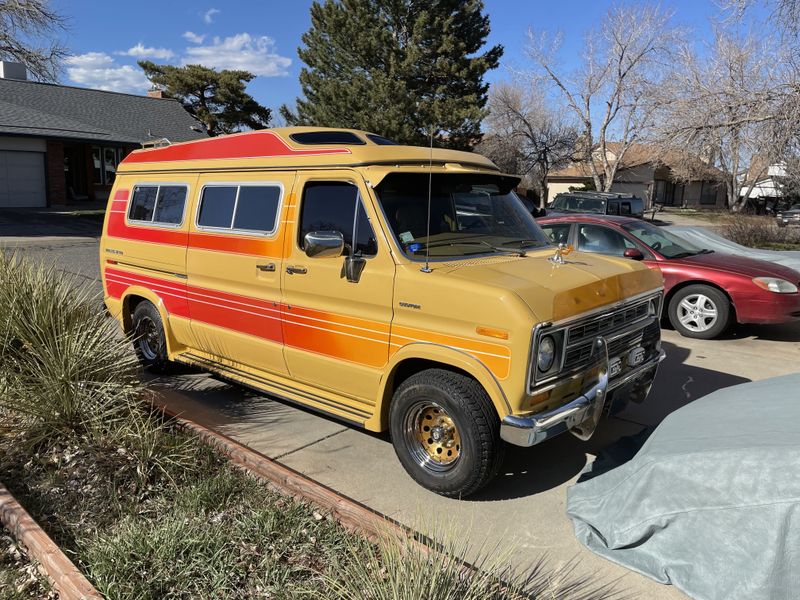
[{"x": 427, "y": 268}]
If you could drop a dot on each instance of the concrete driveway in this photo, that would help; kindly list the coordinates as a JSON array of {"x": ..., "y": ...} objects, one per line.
[{"x": 523, "y": 510}]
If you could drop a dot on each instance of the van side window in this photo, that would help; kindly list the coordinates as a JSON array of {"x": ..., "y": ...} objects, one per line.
[
  {"x": 332, "y": 206},
  {"x": 240, "y": 207},
  {"x": 257, "y": 208},
  {"x": 162, "y": 204},
  {"x": 216, "y": 206}
]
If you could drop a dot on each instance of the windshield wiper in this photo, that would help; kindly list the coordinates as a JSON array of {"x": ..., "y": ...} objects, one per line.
[
  {"x": 706, "y": 251},
  {"x": 518, "y": 252},
  {"x": 524, "y": 243}
]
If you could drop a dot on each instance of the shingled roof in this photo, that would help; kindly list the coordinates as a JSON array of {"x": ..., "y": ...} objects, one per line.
[{"x": 47, "y": 110}]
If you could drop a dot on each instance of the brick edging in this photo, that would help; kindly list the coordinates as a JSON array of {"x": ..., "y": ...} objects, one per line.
[{"x": 67, "y": 580}]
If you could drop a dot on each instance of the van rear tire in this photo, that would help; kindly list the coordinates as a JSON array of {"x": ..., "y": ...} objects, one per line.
[
  {"x": 149, "y": 339},
  {"x": 446, "y": 432}
]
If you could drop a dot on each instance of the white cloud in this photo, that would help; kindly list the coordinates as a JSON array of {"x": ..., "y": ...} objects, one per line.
[
  {"x": 194, "y": 38},
  {"x": 241, "y": 51},
  {"x": 140, "y": 51},
  {"x": 208, "y": 16},
  {"x": 99, "y": 71}
]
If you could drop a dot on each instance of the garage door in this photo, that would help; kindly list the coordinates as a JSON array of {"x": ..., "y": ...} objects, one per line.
[{"x": 21, "y": 179}]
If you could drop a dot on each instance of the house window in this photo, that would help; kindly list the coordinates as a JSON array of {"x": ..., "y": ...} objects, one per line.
[
  {"x": 97, "y": 164},
  {"x": 110, "y": 164},
  {"x": 708, "y": 193}
]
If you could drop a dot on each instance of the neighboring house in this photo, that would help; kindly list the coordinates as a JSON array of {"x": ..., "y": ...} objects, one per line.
[
  {"x": 61, "y": 144},
  {"x": 652, "y": 175},
  {"x": 762, "y": 184}
]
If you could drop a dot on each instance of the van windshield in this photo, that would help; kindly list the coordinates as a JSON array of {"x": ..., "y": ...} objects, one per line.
[
  {"x": 579, "y": 205},
  {"x": 470, "y": 214}
]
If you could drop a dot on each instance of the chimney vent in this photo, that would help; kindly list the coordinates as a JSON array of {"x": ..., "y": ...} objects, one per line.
[
  {"x": 13, "y": 70},
  {"x": 155, "y": 92}
]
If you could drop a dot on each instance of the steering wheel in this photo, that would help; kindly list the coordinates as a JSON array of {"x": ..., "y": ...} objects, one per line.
[{"x": 656, "y": 246}]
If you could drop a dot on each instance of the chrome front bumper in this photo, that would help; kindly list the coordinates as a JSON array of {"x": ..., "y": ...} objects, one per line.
[{"x": 581, "y": 415}]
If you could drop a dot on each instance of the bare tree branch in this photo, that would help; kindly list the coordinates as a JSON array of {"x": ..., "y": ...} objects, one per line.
[{"x": 22, "y": 23}]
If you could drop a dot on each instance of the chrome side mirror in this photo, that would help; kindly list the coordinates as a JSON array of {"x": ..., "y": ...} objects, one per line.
[{"x": 321, "y": 244}]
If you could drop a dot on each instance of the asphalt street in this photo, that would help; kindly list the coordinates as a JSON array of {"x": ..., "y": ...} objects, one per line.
[{"x": 523, "y": 511}]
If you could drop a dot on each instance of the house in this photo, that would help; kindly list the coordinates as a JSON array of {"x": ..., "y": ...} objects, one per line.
[
  {"x": 61, "y": 144},
  {"x": 657, "y": 177},
  {"x": 763, "y": 185}
]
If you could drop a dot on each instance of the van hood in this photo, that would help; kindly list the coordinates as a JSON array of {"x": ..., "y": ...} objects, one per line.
[{"x": 558, "y": 291}]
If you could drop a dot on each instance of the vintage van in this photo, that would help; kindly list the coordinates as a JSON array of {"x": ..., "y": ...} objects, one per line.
[{"x": 396, "y": 288}]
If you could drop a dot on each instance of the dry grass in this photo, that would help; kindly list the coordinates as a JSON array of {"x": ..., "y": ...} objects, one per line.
[{"x": 761, "y": 232}]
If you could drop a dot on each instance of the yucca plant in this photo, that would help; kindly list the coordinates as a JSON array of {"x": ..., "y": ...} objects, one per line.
[
  {"x": 66, "y": 372},
  {"x": 401, "y": 570}
]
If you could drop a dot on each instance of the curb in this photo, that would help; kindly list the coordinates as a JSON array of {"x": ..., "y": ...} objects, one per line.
[
  {"x": 67, "y": 580},
  {"x": 351, "y": 514}
]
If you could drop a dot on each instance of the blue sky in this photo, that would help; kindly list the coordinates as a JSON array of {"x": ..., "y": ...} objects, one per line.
[{"x": 106, "y": 38}]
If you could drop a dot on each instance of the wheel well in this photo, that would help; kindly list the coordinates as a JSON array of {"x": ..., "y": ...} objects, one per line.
[
  {"x": 403, "y": 371},
  {"x": 683, "y": 284},
  {"x": 128, "y": 306}
]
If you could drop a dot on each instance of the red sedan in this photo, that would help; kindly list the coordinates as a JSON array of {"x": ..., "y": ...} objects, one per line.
[{"x": 705, "y": 291}]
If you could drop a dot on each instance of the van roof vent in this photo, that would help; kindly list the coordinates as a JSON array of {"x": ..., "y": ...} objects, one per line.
[{"x": 317, "y": 138}]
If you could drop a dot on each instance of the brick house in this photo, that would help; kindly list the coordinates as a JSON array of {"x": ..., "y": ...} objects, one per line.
[
  {"x": 61, "y": 144},
  {"x": 651, "y": 174}
]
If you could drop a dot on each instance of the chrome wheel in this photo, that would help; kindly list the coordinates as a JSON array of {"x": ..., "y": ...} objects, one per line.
[
  {"x": 697, "y": 313},
  {"x": 432, "y": 437},
  {"x": 148, "y": 338}
]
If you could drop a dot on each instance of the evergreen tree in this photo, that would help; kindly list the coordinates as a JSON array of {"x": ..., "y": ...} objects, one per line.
[
  {"x": 398, "y": 68},
  {"x": 216, "y": 98}
]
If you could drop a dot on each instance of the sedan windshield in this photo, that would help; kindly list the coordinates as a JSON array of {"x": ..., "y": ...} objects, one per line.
[
  {"x": 663, "y": 242},
  {"x": 469, "y": 214}
]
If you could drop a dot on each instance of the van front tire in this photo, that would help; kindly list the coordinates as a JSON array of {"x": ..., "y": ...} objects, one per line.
[
  {"x": 149, "y": 339},
  {"x": 446, "y": 432}
]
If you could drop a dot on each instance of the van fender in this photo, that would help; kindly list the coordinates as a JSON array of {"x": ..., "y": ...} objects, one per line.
[
  {"x": 155, "y": 300},
  {"x": 446, "y": 357}
]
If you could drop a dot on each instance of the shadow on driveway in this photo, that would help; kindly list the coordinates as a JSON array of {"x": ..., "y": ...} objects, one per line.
[{"x": 67, "y": 222}]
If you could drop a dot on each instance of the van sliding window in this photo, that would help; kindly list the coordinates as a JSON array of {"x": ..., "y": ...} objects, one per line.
[
  {"x": 245, "y": 208},
  {"x": 158, "y": 204}
]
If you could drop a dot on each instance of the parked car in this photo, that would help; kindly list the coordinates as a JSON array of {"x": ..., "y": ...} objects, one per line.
[
  {"x": 789, "y": 217},
  {"x": 710, "y": 502},
  {"x": 600, "y": 203},
  {"x": 379, "y": 285},
  {"x": 705, "y": 291}
]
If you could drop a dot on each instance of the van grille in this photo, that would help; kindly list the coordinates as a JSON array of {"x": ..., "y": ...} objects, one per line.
[{"x": 580, "y": 337}]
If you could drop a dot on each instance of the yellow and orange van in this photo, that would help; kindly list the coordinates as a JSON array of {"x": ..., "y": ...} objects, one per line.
[{"x": 389, "y": 286}]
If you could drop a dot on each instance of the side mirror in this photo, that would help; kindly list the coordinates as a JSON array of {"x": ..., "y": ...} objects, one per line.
[
  {"x": 320, "y": 244},
  {"x": 633, "y": 253}
]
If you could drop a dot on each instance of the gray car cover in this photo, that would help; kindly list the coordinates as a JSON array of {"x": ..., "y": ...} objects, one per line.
[{"x": 711, "y": 502}]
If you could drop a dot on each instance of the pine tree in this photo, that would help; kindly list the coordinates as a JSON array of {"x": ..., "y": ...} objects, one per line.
[
  {"x": 216, "y": 98},
  {"x": 399, "y": 68}
]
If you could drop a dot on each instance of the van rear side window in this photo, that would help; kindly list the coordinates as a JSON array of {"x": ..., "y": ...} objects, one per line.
[
  {"x": 158, "y": 204},
  {"x": 245, "y": 208}
]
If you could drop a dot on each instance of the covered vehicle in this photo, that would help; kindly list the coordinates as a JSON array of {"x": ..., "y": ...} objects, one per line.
[{"x": 711, "y": 502}]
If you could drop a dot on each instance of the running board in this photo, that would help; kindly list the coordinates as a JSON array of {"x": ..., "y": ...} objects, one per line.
[{"x": 283, "y": 392}]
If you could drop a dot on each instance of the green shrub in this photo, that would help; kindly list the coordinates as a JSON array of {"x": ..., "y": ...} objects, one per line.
[{"x": 67, "y": 373}]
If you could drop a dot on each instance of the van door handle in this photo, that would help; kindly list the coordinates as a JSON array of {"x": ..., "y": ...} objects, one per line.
[
  {"x": 296, "y": 270},
  {"x": 269, "y": 267}
]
